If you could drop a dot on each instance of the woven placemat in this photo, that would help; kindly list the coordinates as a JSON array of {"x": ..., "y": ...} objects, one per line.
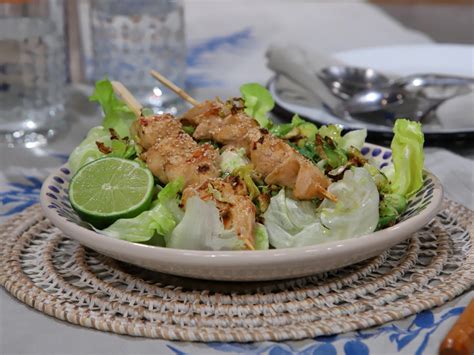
[{"x": 59, "y": 277}]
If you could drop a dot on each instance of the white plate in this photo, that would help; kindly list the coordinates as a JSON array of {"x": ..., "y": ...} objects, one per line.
[
  {"x": 245, "y": 265},
  {"x": 396, "y": 60}
]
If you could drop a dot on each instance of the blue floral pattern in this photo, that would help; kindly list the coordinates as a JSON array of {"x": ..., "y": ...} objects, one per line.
[
  {"x": 20, "y": 195},
  {"x": 418, "y": 331}
]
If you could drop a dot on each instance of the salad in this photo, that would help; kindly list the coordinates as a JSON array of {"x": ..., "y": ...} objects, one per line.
[{"x": 223, "y": 176}]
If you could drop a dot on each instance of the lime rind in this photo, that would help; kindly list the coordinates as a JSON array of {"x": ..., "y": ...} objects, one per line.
[{"x": 101, "y": 208}]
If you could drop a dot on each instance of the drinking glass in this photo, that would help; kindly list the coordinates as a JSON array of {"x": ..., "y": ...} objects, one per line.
[
  {"x": 130, "y": 37},
  {"x": 32, "y": 71}
]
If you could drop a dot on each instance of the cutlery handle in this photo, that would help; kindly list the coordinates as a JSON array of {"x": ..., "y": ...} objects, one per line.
[{"x": 438, "y": 80}]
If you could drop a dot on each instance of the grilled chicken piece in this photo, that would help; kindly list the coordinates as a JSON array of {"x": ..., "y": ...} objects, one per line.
[
  {"x": 223, "y": 123},
  {"x": 202, "y": 112},
  {"x": 229, "y": 130},
  {"x": 170, "y": 153},
  {"x": 271, "y": 156},
  {"x": 282, "y": 165},
  {"x": 235, "y": 207},
  {"x": 148, "y": 130},
  {"x": 177, "y": 156}
]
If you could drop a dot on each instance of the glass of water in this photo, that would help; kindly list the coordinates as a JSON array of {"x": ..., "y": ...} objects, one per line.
[
  {"x": 130, "y": 37},
  {"x": 32, "y": 71}
]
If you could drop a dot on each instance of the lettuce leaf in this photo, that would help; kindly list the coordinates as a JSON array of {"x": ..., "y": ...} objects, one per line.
[
  {"x": 261, "y": 237},
  {"x": 87, "y": 150},
  {"x": 354, "y": 139},
  {"x": 332, "y": 131},
  {"x": 357, "y": 210},
  {"x": 117, "y": 115},
  {"x": 380, "y": 179},
  {"x": 408, "y": 157},
  {"x": 98, "y": 143},
  {"x": 390, "y": 208},
  {"x": 245, "y": 173},
  {"x": 160, "y": 220},
  {"x": 232, "y": 159},
  {"x": 202, "y": 229},
  {"x": 298, "y": 126},
  {"x": 327, "y": 149},
  {"x": 289, "y": 221},
  {"x": 258, "y": 102},
  {"x": 292, "y": 223}
]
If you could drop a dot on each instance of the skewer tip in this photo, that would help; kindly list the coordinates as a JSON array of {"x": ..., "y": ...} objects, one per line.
[{"x": 173, "y": 87}]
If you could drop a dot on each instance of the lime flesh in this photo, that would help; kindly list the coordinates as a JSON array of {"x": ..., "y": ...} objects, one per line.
[{"x": 110, "y": 188}]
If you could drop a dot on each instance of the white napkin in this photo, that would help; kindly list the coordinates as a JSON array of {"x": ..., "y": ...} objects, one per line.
[
  {"x": 301, "y": 67},
  {"x": 457, "y": 112}
]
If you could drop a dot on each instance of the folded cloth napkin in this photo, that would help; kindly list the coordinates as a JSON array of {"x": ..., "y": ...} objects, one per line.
[
  {"x": 458, "y": 112},
  {"x": 301, "y": 67}
]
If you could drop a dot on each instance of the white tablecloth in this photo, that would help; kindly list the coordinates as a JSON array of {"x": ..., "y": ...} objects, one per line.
[{"x": 227, "y": 40}]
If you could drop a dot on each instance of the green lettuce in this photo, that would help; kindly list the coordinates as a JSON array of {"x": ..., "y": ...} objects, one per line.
[
  {"x": 117, "y": 118},
  {"x": 390, "y": 208},
  {"x": 261, "y": 237},
  {"x": 245, "y": 173},
  {"x": 298, "y": 126},
  {"x": 98, "y": 143},
  {"x": 332, "y": 131},
  {"x": 202, "y": 229},
  {"x": 356, "y": 211},
  {"x": 121, "y": 148},
  {"x": 354, "y": 139},
  {"x": 291, "y": 223},
  {"x": 327, "y": 149},
  {"x": 159, "y": 220},
  {"x": 87, "y": 150},
  {"x": 382, "y": 182},
  {"x": 408, "y": 158},
  {"x": 258, "y": 102},
  {"x": 232, "y": 159},
  {"x": 117, "y": 115}
]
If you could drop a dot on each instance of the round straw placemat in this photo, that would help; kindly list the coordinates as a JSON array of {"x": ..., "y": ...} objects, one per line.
[{"x": 57, "y": 276}]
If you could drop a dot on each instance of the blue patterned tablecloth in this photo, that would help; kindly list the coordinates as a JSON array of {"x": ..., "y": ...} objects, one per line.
[{"x": 218, "y": 64}]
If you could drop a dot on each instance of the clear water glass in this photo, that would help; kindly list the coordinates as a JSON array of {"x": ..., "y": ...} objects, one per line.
[
  {"x": 130, "y": 37},
  {"x": 32, "y": 71}
]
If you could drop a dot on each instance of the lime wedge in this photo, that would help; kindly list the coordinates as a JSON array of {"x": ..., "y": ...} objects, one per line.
[{"x": 110, "y": 188}]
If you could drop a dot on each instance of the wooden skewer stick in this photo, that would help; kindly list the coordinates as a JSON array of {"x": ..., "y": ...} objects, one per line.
[
  {"x": 127, "y": 96},
  {"x": 170, "y": 85},
  {"x": 248, "y": 244}
]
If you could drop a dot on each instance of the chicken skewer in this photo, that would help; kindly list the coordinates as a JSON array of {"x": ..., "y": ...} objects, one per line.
[
  {"x": 271, "y": 157},
  {"x": 170, "y": 153}
]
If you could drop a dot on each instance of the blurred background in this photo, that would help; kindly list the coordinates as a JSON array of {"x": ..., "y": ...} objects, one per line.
[{"x": 53, "y": 51}]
